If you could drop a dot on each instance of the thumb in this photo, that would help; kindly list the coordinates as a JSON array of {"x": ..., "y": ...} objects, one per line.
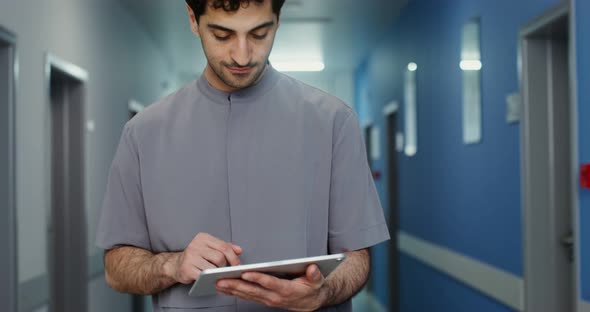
[{"x": 314, "y": 274}]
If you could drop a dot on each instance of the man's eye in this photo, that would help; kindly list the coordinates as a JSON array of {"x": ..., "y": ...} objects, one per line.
[
  {"x": 259, "y": 37},
  {"x": 221, "y": 38}
]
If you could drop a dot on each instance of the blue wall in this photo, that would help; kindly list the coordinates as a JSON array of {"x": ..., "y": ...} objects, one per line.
[
  {"x": 582, "y": 9},
  {"x": 463, "y": 197},
  {"x": 442, "y": 292}
]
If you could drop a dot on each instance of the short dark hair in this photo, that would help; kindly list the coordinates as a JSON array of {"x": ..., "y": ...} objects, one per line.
[{"x": 198, "y": 6}]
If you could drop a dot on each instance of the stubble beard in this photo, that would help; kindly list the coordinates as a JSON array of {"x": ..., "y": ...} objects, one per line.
[{"x": 237, "y": 81}]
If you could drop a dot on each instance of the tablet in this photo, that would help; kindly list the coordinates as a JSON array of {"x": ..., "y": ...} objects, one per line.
[{"x": 205, "y": 283}]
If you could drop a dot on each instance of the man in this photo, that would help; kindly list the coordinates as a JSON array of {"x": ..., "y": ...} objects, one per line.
[{"x": 241, "y": 166}]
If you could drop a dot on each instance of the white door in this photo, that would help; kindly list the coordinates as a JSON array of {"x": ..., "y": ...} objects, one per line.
[
  {"x": 68, "y": 258},
  {"x": 547, "y": 165},
  {"x": 7, "y": 181}
]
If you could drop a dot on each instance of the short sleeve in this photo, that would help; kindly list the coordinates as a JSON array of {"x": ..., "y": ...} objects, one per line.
[
  {"x": 122, "y": 220},
  {"x": 356, "y": 217}
]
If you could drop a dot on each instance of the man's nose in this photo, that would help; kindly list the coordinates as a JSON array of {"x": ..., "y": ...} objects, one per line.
[{"x": 241, "y": 52}]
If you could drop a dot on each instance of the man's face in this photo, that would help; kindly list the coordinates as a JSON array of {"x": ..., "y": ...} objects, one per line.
[{"x": 237, "y": 44}]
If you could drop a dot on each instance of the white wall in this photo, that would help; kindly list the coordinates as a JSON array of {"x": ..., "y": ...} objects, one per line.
[{"x": 122, "y": 63}]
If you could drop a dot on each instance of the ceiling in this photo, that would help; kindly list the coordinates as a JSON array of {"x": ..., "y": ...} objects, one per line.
[{"x": 342, "y": 32}]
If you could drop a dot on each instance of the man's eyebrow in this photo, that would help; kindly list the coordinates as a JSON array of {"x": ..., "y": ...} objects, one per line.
[
  {"x": 263, "y": 25},
  {"x": 219, "y": 27},
  {"x": 215, "y": 26}
]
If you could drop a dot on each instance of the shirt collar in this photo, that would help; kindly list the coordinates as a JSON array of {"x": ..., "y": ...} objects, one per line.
[{"x": 268, "y": 80}]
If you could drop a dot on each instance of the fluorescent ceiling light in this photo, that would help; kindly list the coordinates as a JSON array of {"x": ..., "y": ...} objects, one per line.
[
  {"x": 298, "y": 66},
  {"x": 470, "y": 65},
  {"x": 410, "y": 150},
  {"x": 412, "y": 66}
]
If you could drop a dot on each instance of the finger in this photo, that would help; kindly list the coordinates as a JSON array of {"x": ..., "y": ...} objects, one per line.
[
  {"x": 266, "y": 281},
  {"x": 313, "y": 273},
  {"x": 272, "y": 301},
  {"x": 240, "y": 295},
  {"x": 215, "y": 257},
  {"x": 310, "y": 278},
  {"x": 214, "y": 242},
  {"x": 237, "y": 249},
  {"x": 202, "y": 264},
  {"x": 246, "y": 290},
  {"x": 226, "y": 249},
  {"x": 191, "y": 269}
]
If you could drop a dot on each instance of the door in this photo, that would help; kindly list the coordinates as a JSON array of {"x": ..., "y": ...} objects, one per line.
[
  {"x": 8, "y": 281},
  {"x": 547, "y": 166},
  {"x": 68, "y": 246}
]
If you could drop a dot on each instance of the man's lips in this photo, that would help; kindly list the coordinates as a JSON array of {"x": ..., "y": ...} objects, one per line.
[{"x": 239, "y": 70}]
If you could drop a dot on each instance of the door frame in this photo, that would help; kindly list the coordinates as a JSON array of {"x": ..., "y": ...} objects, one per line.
[
  {"x": 365, "y": 127},
  {"x": 582, "y": 306},
  {"x": 10, "y": 297},
  {"x": 79, "y": 75},
  {"x": 391, "y": 110},
  {"x": 135, "y": 107},
  {"x": 534, "y": 289}
]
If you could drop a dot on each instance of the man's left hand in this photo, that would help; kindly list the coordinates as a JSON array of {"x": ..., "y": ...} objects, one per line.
[{"x": 300, "y": 294}]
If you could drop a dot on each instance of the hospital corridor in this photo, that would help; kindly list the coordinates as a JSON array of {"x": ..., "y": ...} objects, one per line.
[{"x": 441, "y": 145}]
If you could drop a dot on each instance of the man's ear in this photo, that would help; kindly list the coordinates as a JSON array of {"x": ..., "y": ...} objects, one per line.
[{"x": 193, "y": 21}]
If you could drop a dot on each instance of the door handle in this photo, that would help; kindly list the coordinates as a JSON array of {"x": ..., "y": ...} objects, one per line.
[{"x": 567, "y": 241}]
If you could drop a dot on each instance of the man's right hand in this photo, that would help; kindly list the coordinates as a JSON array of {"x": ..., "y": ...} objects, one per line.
[{"x": 204, "y": 252}]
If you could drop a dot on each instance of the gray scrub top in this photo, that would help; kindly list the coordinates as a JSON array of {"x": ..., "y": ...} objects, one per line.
[{"x": 279, "y": 168}]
